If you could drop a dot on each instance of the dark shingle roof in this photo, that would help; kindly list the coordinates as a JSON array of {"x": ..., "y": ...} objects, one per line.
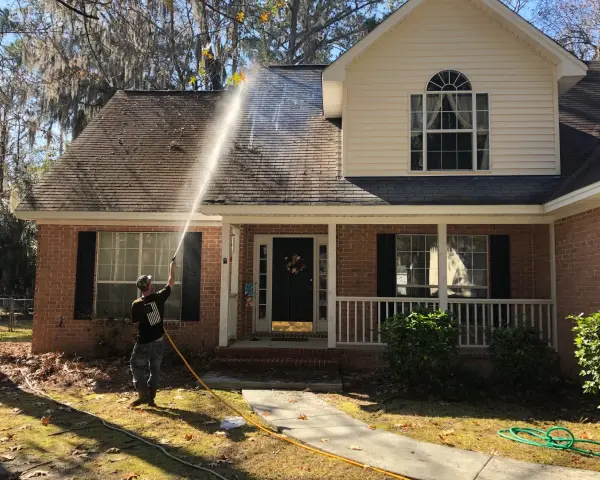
[{"x": 143, "y": 152}]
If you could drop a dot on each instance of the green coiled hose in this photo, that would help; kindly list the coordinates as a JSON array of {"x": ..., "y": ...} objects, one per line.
[{"x": 544, "y": 438}]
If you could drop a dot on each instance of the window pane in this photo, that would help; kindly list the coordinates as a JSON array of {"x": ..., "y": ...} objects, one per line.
[
  {"x": 416, "y": 121},
  {"x": 132, "y": 257},
  {"x": 104, "y": 256},
  {"x": 483, "y": 160},
  {"x": 479, "y": 260},
  {"x": 106, "y": 240},
  {"x": 416, "y": 141},
  {"x": 464, "y": 142},
  {"x": 416, "y": 161},
  {"x": 403, "y": 243},
  {"x": 449, "y": 161},
  {"x": 434, "y": 142},
  {"x": 418, "y": 242},
  {"x": 465, "y": 160},
  {"x": 131, "y": 273},
  {"x": 434, "y": 161},
  {"x": 262, "y": 297},
  {"x": 262, "y": 311},
  {"x": 148, "y": 257},
  {"x": 449, "y": 142},
  {"x": 478, "y": 278},
  {"x": 416, "y": 103},
  {"x": 483, "y": 121},
  {"x": 480, "y": 243},
  {"x": 262, "y": 281},
  {"x": 482, "y": 140},
  {"x": 263, "y": 251},
  {"x": 481, "y": 101},
  {"x": 114, "y": 300}
]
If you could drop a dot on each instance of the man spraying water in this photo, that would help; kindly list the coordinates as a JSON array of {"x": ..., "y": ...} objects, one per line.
[{"x": 148, "y": 312}]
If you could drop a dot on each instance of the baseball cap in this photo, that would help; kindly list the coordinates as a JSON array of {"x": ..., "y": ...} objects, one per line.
[{"x": 143, "y": 282}]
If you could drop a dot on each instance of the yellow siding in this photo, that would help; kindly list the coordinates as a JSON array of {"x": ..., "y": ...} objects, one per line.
[{"x": 450, "y": 34}]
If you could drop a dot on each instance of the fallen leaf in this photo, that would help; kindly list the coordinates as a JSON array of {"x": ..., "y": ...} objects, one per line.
[
  {"x": 17, "y": 411},
  {"x": 448, "y": 432},
  {"x": 16, "y": 448},
  {"x": 24, "y": 427},
  {"x": 179, "y": 397},
  {"x": 79, "y": 453},
  {"x": 45, "y": 421},
  {"x": 324, "y": 440},
  {"x": 404, "y": 426},
  {"x": 586, "y": 436},
  {"x": 130, "y": 476},
  {"x": 354, "y": 447},
  {"x": 210, "y": 422},
  {"x": 292, "y": 401},
  {"x": 371, "y": 427},
  {"x": 122, "y": 400},
  {"x": 113, "y": 450},
  {"x": 9, "y": 436},
  {"x": 221, "y": 434},
  {"x": 5, "y": 457},
  {"x": 302, "y": 417},
  {"x": 306, "y": 468},
  {"x": 495, "y": 453},
  {"x": 164, "y": 441},
  {"x": 188, "y": 436}
]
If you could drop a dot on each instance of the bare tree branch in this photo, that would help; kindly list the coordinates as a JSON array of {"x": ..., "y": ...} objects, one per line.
[{"x": 76, "y": 10}]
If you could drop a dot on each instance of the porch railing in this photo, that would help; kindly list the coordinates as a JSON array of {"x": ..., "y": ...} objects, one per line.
[{"x": 359, "y": 319}]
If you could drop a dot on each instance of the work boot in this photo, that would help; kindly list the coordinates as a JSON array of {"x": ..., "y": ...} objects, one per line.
[
  {"x": 151, "y": 397},
  {"x": 137, "y": 402}
]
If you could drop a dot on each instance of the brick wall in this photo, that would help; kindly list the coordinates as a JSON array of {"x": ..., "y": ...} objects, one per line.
[
  {"x": 577, "y": 276},
  {"x": 55, "y": 293}
]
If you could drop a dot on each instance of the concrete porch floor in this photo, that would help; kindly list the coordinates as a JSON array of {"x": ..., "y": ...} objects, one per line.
[{"x": 311, "y": 343}]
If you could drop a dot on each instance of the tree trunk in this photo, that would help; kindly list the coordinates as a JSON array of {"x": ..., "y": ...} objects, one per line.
[
  {"x": 293, "y": 32},
  {"x": 3, "y": 148}
]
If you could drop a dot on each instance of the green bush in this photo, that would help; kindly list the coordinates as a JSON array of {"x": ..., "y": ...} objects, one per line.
[
  {"x": 421, "y": 348},
  {"x": 587, "y": 350},
  {"x": 521, "y": 359}
]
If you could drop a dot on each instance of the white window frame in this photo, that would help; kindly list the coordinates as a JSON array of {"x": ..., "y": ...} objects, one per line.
[
  {"x": 432, "y": 287},
  {"x": 140, "y": 271},
  {"x": 473, "y": 130}
]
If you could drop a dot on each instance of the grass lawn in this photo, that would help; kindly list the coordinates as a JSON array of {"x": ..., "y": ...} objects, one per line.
[
  {"x": 473, "y": 426},
  {"x": 187, "y": 427},
  {"x": 21, "y": 332}
]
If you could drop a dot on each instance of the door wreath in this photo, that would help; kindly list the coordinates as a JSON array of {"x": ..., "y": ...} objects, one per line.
[{"x": 294, "y": 264}]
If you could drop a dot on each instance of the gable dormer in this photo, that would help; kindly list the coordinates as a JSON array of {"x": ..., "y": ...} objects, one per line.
[{"x": 450, "y": 87}]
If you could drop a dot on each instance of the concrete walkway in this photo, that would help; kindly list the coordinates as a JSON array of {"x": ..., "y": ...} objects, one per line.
[{"x": 329, "y": 429}]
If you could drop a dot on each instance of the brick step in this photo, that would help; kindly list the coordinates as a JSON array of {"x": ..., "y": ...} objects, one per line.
[
  {"x": 273, "y": 362},
  {"x": 272, "y": 352}
]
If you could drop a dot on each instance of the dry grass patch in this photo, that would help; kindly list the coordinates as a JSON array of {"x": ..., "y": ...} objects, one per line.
[{"x": 187, "y": 426}]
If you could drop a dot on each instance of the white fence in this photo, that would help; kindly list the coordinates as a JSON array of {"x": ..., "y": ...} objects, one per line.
[{"x": 359, "y": 319}]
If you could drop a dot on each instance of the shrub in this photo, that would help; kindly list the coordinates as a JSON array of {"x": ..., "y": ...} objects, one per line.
[
  {"x": 521, "y": 359},
  {"x": 587, "y": 350},
  {"x": 421, "y": 348}
]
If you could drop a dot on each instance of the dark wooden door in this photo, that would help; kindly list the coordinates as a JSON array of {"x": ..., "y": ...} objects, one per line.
[{"x": 293, "y": 291}]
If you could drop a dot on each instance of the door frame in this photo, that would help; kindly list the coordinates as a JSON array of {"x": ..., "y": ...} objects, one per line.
[{"x": 265, "y": 325}]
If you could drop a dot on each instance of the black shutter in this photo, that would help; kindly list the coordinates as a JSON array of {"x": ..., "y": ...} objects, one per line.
[
  {"x": 190, "y": 284},
  {"x": 386, "y": 265},
  {"x": 500, "y": 266},
  {"x": 84, "y": 276}
]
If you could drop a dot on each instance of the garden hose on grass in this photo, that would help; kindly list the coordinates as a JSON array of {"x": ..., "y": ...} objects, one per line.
[{"x": 544, "y": 439}]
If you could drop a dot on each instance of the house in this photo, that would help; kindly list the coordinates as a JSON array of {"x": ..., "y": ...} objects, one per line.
[{"x": 455, "y": 126}]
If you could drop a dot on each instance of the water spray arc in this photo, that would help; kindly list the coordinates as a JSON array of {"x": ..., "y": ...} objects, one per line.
[{"x": 225, "y": 131}]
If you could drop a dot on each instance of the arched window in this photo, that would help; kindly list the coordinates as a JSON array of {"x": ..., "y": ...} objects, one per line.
[{"x": 449, "y": 125}]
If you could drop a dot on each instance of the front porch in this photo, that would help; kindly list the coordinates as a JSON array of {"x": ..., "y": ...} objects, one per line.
[{"x": 492, "y": 276}]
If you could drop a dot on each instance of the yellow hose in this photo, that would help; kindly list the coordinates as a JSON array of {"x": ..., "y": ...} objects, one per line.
[{"x": 272, "y": 433}]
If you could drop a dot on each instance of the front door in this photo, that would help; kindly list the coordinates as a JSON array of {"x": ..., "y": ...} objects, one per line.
[{"x": 293, "y": 287}]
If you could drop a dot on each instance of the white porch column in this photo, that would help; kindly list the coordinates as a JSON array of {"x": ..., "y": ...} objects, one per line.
[
  {"x": 331, "y": 283},
  {"x": 225, "y": 256},
  {"x": 442, "y": 266},
  {"x": 553, "y": 286}
]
